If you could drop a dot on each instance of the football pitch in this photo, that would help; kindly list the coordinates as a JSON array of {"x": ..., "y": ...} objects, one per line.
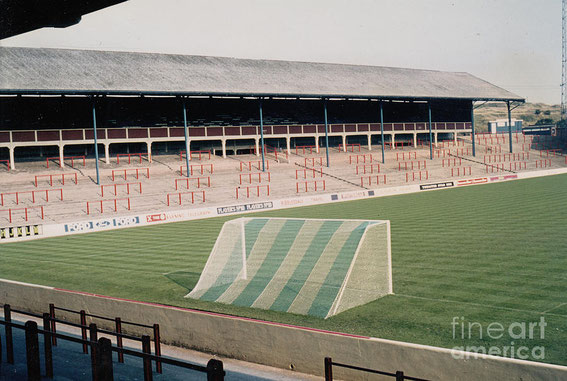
[{"x": 490, "y": 254}]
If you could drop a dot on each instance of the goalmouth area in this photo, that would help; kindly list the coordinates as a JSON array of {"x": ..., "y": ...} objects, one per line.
[{"x": 486, "y": 254}]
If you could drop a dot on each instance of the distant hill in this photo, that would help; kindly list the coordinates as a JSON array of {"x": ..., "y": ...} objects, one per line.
[{"x": 530, "y": 113}]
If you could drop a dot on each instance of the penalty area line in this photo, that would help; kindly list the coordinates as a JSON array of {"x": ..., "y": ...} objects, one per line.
[
  {"x": 554, "y": 308},
  {"x": 481, "y": 305}
]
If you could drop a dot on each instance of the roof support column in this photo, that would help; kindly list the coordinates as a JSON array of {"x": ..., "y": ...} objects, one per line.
[
  {"x": 186, "y": 132},
  {"x": 382, "y": 130},
  {"x": 509, "y": 125},
  {"x": 326, "y": 131},
  {"x": 262, "y": 135},
  {"x": 430, "y": 132},
  {"x": 472, "y": 133},
  {"x": 95, "y": 141},
  {"x": 12, "y": 164}
]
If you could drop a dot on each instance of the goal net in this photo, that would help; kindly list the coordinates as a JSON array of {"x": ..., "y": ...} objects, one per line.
[{"x": 304, "y": 266}]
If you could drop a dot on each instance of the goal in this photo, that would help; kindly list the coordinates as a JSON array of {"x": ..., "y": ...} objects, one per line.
[{"x": 305, "y": 266}]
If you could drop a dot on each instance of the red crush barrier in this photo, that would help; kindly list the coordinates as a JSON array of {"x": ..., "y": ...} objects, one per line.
[
  {"x": 452, "y": 162},
  {"x": 101, "y": 202},
  {"x": 493, "y": 149},
  {"x": 494, "y": 167},
  {"x": 250, "y": 177},
  {"x": 543, "y": 163},
  {"x": 402, "y": 144},
  {"x": 360, "y": 158},
  {"x": 404, "y": 165},
  {"x": 117, "y": 185},
  {"x": 377, "y": 177},
  {"x": 518, "y": 165},
  {"x": 550, "y": 152},
  {"x": 460, "y": 171},
  {"x": 72, "y": 158},
  {"x": 32, "y": 192},
  {"x": 258, "y": 187},
  {"x": 402, "y": 155},
  {"x": 125, "y": 171},
  {"x": 314, "y": 182},
  {"x": 462, "y": 151},
  {"x": 493, "y": 158},
  {"x": 254, "y": 164},
  {"x": 270, "y": 149},
  {"x": 206, "y": 179},
  {"x": 192, "y": 193},
  {"x": 194, "y": 153},
  {"x": 7, "y": 164},
  {"x": 197, "y": 167},
  {"x": 130, "y": 155},
  {"x": 516, "y": 156},
  {"x": 441, "y": 152},
  {"x": 314, "y": 161},
  {"x": 352, "y": 147},
  {"x": 316, "y": 172},
  {"x": 74, "y": 175},
  {"x": 449, "y": 143},
  {"x": 370, "y": 166},
  {"x": 421, "y": 175},
  {"x": 11, "y": 210},
  {"x": 304, "y": 148}
]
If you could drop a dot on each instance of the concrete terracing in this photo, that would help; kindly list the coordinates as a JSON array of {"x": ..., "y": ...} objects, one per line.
[{"x": 452, "y": 161}]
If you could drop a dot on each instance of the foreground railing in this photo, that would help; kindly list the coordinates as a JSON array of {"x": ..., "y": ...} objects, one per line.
[
  {"x": 399, "y": 375},
  {"x": 101, "y": 349}
]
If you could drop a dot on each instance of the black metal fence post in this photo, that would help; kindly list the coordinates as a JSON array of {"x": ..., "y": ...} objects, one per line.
[
  {"x": 118, "y": 326},
  {"x": 157, "y": 347},
  {"x": 215, "y": 371},
  {"x": 104, "y": 360},
  {"x": 53, "y": 324},
  {"x": 48, "y": 350},
  {"x": 328, "y": 369},
  {"x": 32, "y": 351},
  {"x": 94, "y": 349},
  {"x": 146, "y": 348},
  {"x": 400, "y": 375},
  {"x": 9, "y": 338},
  {"x": 84, "y": 330}
]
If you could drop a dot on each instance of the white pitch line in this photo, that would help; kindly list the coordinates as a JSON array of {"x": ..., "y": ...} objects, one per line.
[
  {"x": 551, "y": 309},
  {"x": 479, "y": 305}
]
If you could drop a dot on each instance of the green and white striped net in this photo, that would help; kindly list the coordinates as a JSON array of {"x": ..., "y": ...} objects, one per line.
[{"x": 302, "y": 266}]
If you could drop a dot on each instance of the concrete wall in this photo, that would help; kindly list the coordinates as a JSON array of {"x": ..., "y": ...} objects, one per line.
[{"x": 281, "y": 345}]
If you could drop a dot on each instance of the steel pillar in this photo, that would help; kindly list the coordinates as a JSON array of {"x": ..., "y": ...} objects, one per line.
[
  {"x": 95, "y": 143},
  {"x": 262, "y": 135},
  {"x": 326, "y": 131},
  {"x": 509, "y": 125},
  {"x": 473, "y": 134},
  {"x": 430, "y": 132},
  {"x": 382, "y": 130},
  {"x": 187, "y": 145}
]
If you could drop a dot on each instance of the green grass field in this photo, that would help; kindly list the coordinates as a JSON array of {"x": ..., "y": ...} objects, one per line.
[{"x": 490, "y": 254}]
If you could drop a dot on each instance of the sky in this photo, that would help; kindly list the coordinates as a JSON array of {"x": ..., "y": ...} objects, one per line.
[{"x": 514, "y": 44}]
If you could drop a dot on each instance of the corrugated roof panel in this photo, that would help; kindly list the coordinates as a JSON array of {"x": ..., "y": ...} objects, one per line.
[{"x": 61, "y": 70}]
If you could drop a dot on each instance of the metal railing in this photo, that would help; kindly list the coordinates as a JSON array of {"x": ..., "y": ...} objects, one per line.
[
  {"x": 118, "y": 322},
  {"x": 399, "y": 375},
  {"x": 101, "y": 351}
]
